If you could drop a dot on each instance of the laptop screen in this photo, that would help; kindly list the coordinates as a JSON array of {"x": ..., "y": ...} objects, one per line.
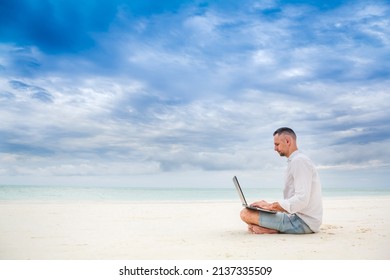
[{"x": 237, "y": 184}]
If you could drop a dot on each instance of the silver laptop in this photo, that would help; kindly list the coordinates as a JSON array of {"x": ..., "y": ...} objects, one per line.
[{"x": 243, "y": 200}]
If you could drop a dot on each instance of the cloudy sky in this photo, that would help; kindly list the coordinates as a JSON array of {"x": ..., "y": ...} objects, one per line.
[{"x": 188, "y": 93}]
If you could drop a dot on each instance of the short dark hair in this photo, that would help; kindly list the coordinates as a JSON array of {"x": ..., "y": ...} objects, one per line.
[{"x": 285, "y": 130}]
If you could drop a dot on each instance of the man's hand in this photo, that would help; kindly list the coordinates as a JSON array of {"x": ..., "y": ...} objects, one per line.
[
  {"x": 275, "y": 206},
  {"x": 261, "y": 204}
]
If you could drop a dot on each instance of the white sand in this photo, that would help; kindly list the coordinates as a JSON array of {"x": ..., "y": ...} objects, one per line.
[{"x": 354, "y": 228}]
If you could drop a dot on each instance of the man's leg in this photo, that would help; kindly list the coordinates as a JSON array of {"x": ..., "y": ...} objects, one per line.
[{"x": 252, "y": 217}]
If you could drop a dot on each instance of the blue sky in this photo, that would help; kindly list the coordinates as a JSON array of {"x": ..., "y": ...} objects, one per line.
[{"x": 188, "y": 93}]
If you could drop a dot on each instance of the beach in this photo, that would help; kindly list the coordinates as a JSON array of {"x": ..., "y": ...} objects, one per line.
[{"x": 353, "y": 228}]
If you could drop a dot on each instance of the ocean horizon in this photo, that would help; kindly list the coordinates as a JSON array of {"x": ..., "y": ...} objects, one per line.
[{"x": 134, "y": 194}]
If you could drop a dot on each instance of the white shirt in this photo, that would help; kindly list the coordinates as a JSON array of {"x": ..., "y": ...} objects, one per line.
[{"x": 302, "y": 190}]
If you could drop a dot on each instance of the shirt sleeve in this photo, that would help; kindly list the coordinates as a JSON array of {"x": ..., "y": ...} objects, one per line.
[{"x": 302, "y": 173}]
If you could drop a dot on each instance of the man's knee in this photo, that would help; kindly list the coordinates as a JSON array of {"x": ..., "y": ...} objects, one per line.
[
  {"x": 244, "y": 214},
  {"x": 249, "y": 216}
]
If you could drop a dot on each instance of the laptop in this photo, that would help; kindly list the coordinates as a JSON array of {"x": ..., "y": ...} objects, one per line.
[{"x": 243, "y": 200}]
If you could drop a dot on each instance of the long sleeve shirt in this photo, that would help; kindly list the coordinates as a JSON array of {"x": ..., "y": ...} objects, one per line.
[{"x": 302, "y": 190}]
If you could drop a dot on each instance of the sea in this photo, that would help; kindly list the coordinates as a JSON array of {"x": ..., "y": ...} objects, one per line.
[{"x": 12, "y": 193}]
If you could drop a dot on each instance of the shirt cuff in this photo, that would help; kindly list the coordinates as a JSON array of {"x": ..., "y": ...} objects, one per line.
[{"x": 285, "y": 205}]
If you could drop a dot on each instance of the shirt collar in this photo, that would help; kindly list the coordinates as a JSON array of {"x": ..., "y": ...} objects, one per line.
[{"x": 294, "y": 154}]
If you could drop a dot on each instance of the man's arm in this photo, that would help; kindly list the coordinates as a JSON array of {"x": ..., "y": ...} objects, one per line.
[{"x": 301, "y": 172}]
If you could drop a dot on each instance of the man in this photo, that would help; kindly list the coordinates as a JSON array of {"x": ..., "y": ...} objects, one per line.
[{"x": 300, "y": 210}]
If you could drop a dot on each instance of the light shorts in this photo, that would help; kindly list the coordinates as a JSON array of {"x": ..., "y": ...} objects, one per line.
[{"x": 284, "y": 223}]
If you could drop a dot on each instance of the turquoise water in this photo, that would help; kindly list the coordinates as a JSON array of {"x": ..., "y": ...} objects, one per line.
[{"x": 56, "y": 193}]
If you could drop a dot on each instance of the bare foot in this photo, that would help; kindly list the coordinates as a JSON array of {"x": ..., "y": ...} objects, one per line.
[{"x": 261, "y": 230}]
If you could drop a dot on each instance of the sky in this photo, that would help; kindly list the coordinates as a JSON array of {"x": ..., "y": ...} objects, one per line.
[{"x": 188, "y": 93}]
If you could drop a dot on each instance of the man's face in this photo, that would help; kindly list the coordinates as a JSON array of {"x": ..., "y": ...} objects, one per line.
[{"x": 280, "y": 145}]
